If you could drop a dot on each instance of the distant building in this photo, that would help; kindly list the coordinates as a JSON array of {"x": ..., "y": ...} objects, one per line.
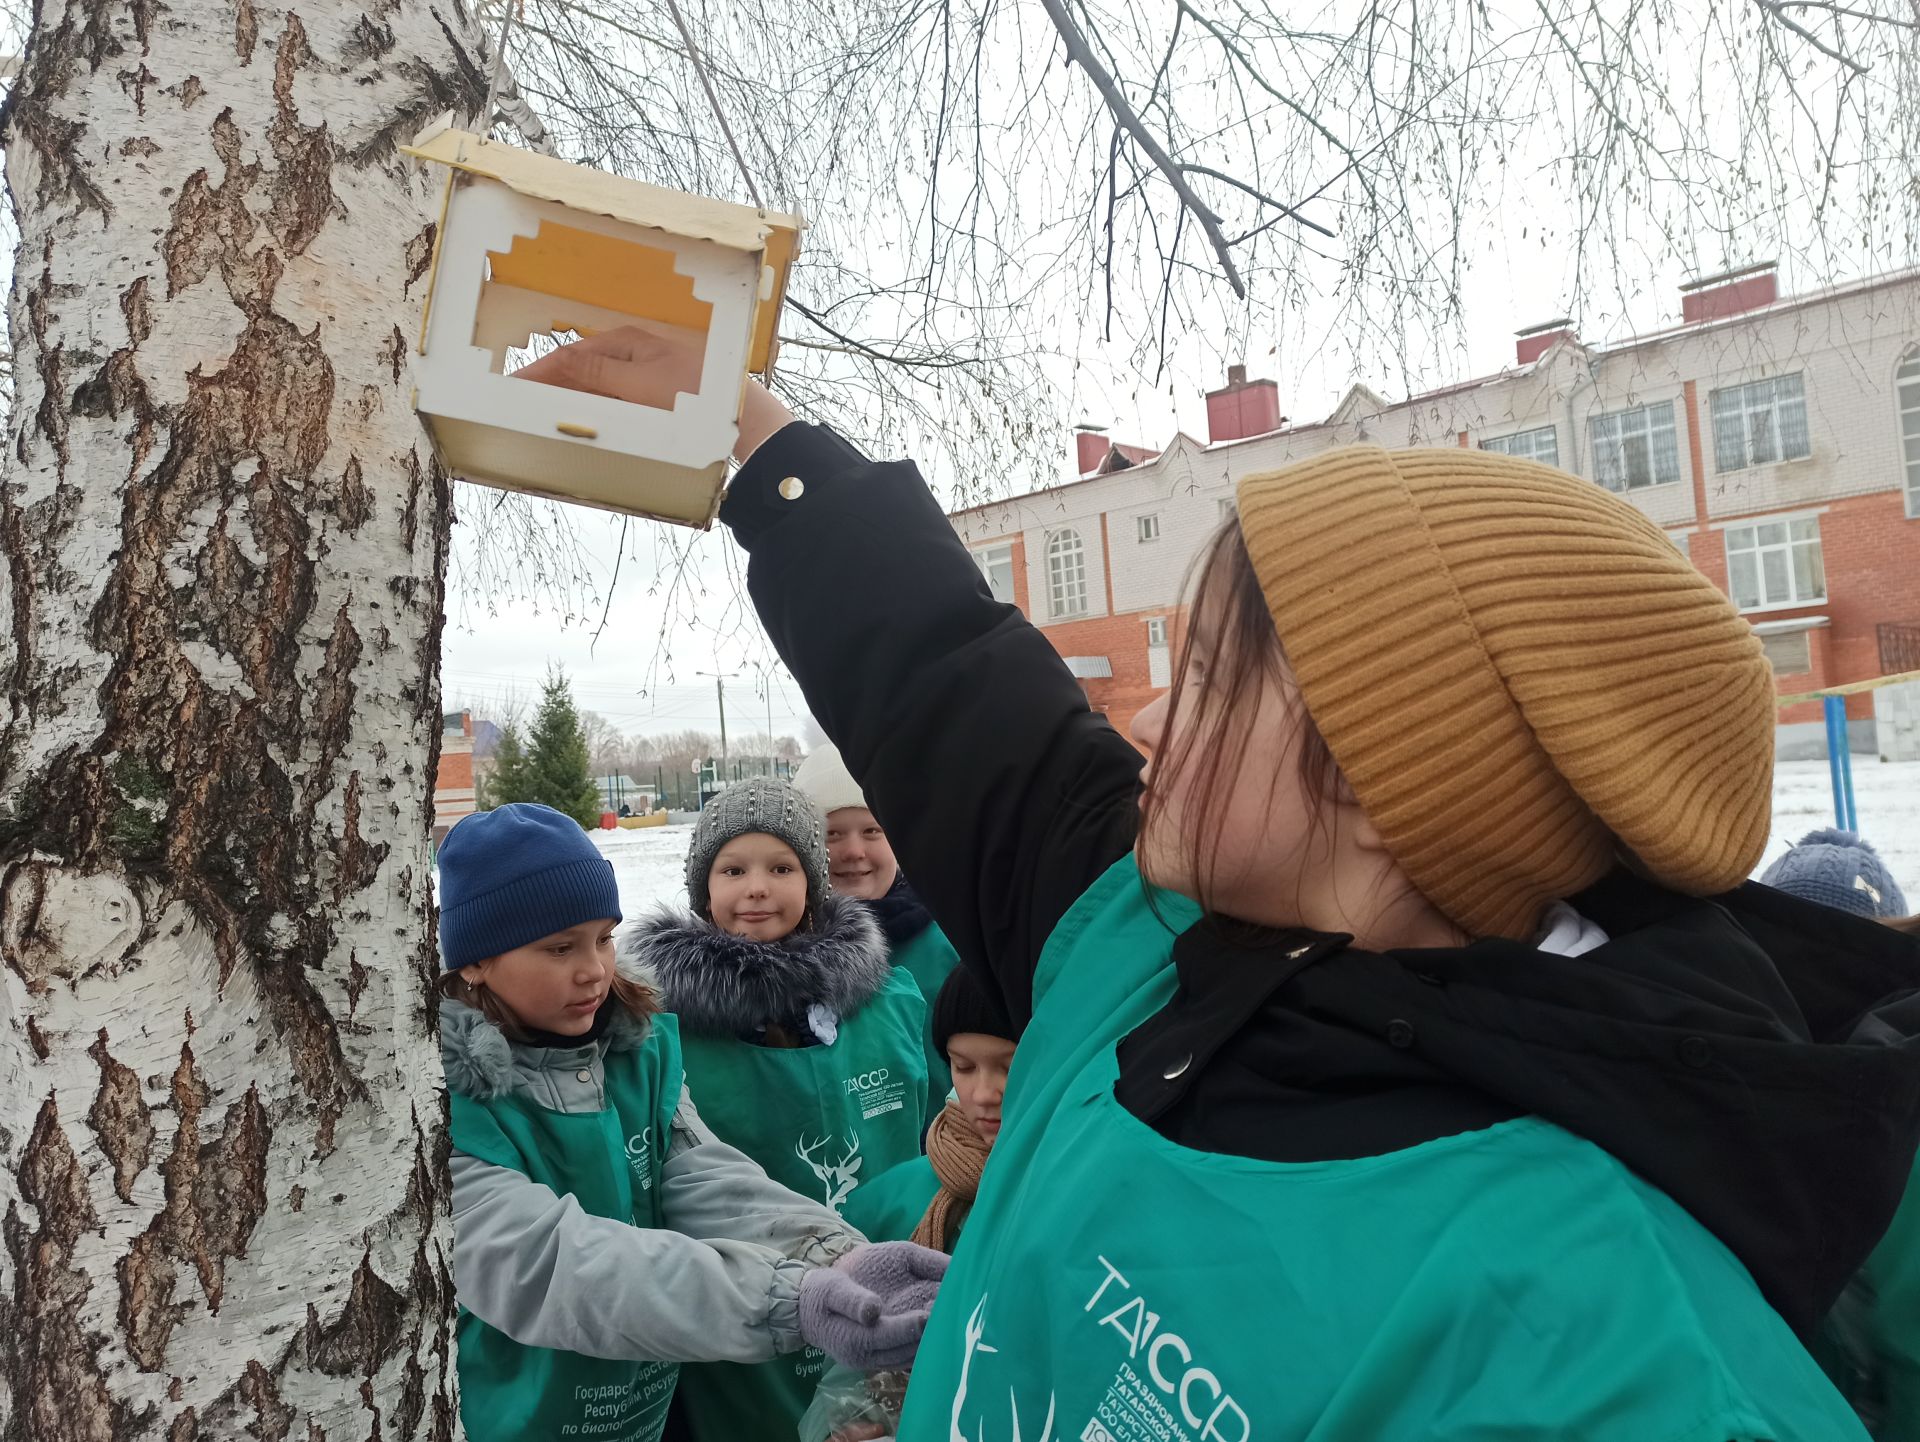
[
  {"x": 1775, "y": 439},
  {"x": 453, "y": 789}
]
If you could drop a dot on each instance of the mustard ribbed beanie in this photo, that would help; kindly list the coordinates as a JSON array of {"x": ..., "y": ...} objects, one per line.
[{"x": 1512, "y": 667}]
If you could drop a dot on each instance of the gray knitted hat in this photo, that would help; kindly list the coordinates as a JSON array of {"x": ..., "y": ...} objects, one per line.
[
  {"x": 764, "y": 804},
  {"x": 1838, "y": 869}
]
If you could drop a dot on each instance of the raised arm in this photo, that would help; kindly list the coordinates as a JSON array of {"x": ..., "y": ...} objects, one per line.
[{"x": 1002, "y": 793}]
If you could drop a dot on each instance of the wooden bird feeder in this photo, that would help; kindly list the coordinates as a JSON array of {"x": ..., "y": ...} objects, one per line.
[{"x": 530, "y": 246}]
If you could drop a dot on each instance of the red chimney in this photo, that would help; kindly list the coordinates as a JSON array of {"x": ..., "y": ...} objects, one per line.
[
  {"x": 1734, "y": 293},
  {"x": 1242, "y": 408},
  {"x": 1536, "y": 341},
  {"x": 1090, "y": 448}
]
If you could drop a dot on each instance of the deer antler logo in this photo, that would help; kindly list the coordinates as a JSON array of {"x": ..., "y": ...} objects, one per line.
[
  {"x": 975, "y": 1345},
  {"x": 837, "y": 1179}
]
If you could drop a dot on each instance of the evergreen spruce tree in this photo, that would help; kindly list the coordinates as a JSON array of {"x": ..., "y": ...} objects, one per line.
[
  {"x": 509, "y": 779},
  {"x": 557, "y": 773}
]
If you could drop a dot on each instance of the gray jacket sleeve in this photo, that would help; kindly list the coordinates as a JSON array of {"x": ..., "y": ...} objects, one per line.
[
  {"x": 534, "y": 1265},
  {"x": 710, "y": 1190}
]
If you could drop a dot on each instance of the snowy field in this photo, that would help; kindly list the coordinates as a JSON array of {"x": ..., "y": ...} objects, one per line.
[{"x": 649, "y": 863}]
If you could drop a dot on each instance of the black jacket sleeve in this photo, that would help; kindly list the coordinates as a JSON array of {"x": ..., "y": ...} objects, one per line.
[{"x": 1003, "y": 795}]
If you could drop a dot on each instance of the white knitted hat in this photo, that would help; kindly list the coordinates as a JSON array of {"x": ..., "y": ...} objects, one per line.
[{"x": 824, "y": 780}]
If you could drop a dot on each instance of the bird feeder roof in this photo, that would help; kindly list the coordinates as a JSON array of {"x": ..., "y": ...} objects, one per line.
[{"x": 580, "y": 187}]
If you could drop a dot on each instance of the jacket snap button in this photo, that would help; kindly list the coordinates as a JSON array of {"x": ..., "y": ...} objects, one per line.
[
  {"x": 583, "y": 1075},
  {"x": 793, "y": 488},
  {"x": 1427, "y": 978},
  {"x": 1179, "y": 1068},
  {"x": 1696, "y": 1051},
  {"x": 1400, "y": 1033},
  {"x": 1298, "y": 952}
]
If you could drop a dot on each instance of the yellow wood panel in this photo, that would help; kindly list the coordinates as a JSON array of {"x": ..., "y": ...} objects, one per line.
[{"x": 623, "y": 275}]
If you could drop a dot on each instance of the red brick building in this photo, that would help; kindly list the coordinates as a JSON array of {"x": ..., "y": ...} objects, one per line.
[
  {"x": 453, "y": 794},
  {"x": 1775, "y": 439}
]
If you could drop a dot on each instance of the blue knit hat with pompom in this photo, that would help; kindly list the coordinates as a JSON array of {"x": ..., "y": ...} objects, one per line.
[{"x": 1838, "y": 869}]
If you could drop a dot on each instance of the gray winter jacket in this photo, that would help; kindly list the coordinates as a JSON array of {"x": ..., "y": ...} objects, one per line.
[{"x": 719, "y": 1283}]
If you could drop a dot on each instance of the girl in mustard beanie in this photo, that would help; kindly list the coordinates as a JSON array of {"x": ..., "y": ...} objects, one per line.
[{"x": 1406, "y": 1056}]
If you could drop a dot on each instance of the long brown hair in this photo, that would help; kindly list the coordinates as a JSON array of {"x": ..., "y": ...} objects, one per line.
[
  {"x": 1228, "y": 616},
  {"x": 641, "y": 1001}
]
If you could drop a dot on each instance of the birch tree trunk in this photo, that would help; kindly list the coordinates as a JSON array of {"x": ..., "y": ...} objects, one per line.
[{"x": 222, "y": 540}]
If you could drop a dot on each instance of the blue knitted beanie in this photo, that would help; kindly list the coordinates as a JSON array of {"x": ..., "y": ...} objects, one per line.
[
  {"x": 1838, "y": 869},
  {"x": 515, "y": 874}
]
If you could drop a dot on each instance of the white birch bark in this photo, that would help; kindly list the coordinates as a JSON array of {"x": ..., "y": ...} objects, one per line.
[{"x": 222, "y": 547}]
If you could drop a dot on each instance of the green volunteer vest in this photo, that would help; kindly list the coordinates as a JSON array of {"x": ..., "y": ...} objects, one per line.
[
  {"x": 819, "y": 1120},
  {"x": 1892, "y": 1274},
  {"x": 610, "y": 1162},
  {"x": 927, "y": 959},
  {"x": 889, "y": 1207},
  {"x": 1515, "y": 1282}
]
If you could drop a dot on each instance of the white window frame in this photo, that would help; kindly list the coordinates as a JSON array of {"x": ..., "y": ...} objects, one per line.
[
  {"x": 1906, "y": 408},
  {"x": 1147, "y": 528},
  {"x": 1760, "y": 423},
  {"x": 1747, "y": 566},
  {"x": 1156, "y": 631},
  {"x": 1228, "y": 507},
  {"x": 988, "y": 558},
  {"x": 1066, "y": 574},
  {"x": 1541, "y": 444},
  {"x": 1649, "y": 431}
]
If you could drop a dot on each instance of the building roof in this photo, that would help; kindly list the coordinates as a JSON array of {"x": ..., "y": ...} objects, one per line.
[{"x": 1359, "y": 391}]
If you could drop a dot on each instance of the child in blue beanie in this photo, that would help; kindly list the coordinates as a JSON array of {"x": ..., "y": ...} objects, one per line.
[
  {"x": 1838, "y": 869},
  {"x": 602, "y": 1235}
]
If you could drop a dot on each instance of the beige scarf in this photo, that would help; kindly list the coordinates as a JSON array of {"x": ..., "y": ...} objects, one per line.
[{"x": 958, "y": 1157}]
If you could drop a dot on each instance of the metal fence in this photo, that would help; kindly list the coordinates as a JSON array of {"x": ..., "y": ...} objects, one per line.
[{"x": 677, "y": 788}]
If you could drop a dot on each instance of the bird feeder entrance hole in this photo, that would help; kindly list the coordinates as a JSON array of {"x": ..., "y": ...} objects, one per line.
[
  {"x": 531, "y": 247},
  {"x": 564, "y": 280}
]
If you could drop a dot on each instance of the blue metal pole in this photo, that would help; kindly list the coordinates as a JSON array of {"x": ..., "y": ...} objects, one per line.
[
  {"x": 1839, "y": 762},
  {"x": 1833, "y": 764},
  {"x": 1846, "y": 764}
]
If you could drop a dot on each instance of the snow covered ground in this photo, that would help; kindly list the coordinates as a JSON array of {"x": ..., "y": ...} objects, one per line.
[
  {"x": 1886, "y": 796},
  {"x": 649, "y": 863}
]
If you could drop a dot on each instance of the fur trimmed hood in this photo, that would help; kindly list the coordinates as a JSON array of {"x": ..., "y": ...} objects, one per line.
[
  {"x": 724, "y": 985},
  {"x": 480, "y": 1062}
]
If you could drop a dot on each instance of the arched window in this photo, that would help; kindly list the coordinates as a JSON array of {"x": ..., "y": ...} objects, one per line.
[
  {"x": 1066, "y": 574},
  {"x": 1906, "y": 404}
]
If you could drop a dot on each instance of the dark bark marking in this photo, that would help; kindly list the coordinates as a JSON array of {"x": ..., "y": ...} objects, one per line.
[
  {"x": 354, "y": 507},
  {"x": 393, "y": 354},
  {"x": 272, "y": 1417},
  {"x": 246, "y": 32},
  {"x": 419, "y": 255},
  {"x": 364, "y": 1334},
  {"x": 119, "y": 1117},
  {"x": 216, "y": 1194},
  {"x": 49, "y": 1366},
  {"x": 303, "y": 177}
]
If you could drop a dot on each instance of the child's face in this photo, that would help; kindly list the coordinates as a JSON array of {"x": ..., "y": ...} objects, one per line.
[
  {"x": 554, "y": 984},
  {"x": 980, "y": 1065},
  {"x": 860, "y": 861},
  {"x": 757, "y": 888}
]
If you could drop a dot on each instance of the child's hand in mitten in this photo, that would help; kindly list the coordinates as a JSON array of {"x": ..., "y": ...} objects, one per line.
[{"x": 868, "y": 1309}]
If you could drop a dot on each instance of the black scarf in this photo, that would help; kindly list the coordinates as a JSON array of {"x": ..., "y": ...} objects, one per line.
[{"x": 900, "y": 913}]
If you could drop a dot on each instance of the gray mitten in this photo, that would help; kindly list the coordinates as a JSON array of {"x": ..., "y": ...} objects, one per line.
[{"x": 868, "y": 1309}]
